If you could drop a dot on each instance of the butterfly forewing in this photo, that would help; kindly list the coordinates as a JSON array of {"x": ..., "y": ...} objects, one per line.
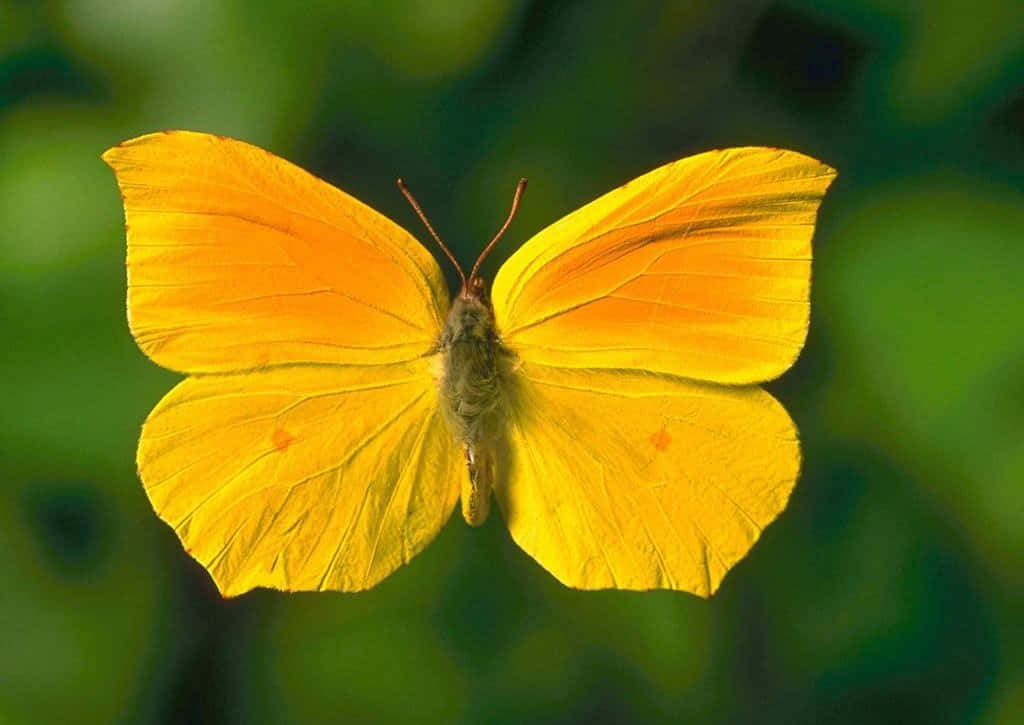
[
  {"x": 238, "y": 259},
  {"x": 700, "y": 268}
]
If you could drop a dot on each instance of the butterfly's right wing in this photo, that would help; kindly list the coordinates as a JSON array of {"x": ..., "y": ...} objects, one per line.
[
  {"x": 302, "y": 477},
  {"x": 628, "y": 464}
]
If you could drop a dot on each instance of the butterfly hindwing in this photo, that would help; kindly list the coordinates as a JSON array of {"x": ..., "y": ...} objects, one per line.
[
  {"x": 700, "y": 268},
  {"x": 302, "y": 478},
  {"x": 618, "y": 479}
]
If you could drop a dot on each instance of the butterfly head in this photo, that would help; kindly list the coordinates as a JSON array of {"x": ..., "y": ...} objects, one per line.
[{"x": 476, "y": 289}]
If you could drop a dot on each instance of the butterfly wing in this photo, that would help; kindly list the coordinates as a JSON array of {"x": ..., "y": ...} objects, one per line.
[
  {"x": 307, "y": 453},
  {"x": 620, "y": 479},
  {"x": 302, "y": 477},
  {"x": 627, "y": 316},
  {"x": 238, "y": 259},
  {"x": 700, "y": 268}
]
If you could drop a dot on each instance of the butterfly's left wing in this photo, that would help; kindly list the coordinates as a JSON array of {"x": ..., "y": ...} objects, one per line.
[
  {"x": 618, "y": 479},
  {"x": 307, "y": 452}
]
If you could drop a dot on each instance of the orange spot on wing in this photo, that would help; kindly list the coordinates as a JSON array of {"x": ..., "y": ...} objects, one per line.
[
  {"x": 282, "y": 439},
  {"x": 660, "y": 439}
]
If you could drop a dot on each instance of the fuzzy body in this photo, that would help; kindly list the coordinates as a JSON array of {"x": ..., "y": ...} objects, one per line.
[{"x": 471, "y": 388}]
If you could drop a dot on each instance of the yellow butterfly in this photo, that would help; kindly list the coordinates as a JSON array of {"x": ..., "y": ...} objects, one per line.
[{"x": 338, "y": 404}]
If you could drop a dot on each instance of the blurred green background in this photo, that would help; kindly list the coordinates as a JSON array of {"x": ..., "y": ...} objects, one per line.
[{"x": 890, "y": 591}]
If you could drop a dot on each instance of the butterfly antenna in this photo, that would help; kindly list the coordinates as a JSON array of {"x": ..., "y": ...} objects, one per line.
[
  {"x": 520, "y": 188},
  {"x": 423, "y": 218}
]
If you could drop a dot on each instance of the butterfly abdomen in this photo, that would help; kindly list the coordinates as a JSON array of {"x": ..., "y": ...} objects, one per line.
[{"x": 471, "y": 393}]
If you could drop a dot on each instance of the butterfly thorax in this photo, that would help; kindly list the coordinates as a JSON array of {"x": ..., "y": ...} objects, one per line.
[{"x": 474, "y": 364}]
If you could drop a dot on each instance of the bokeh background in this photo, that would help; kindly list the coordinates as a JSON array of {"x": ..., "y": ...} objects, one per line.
[{"x": 890, "y": 591}]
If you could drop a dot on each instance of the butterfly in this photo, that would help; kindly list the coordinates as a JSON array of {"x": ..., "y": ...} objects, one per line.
[{"x": 338, "y": 404}]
